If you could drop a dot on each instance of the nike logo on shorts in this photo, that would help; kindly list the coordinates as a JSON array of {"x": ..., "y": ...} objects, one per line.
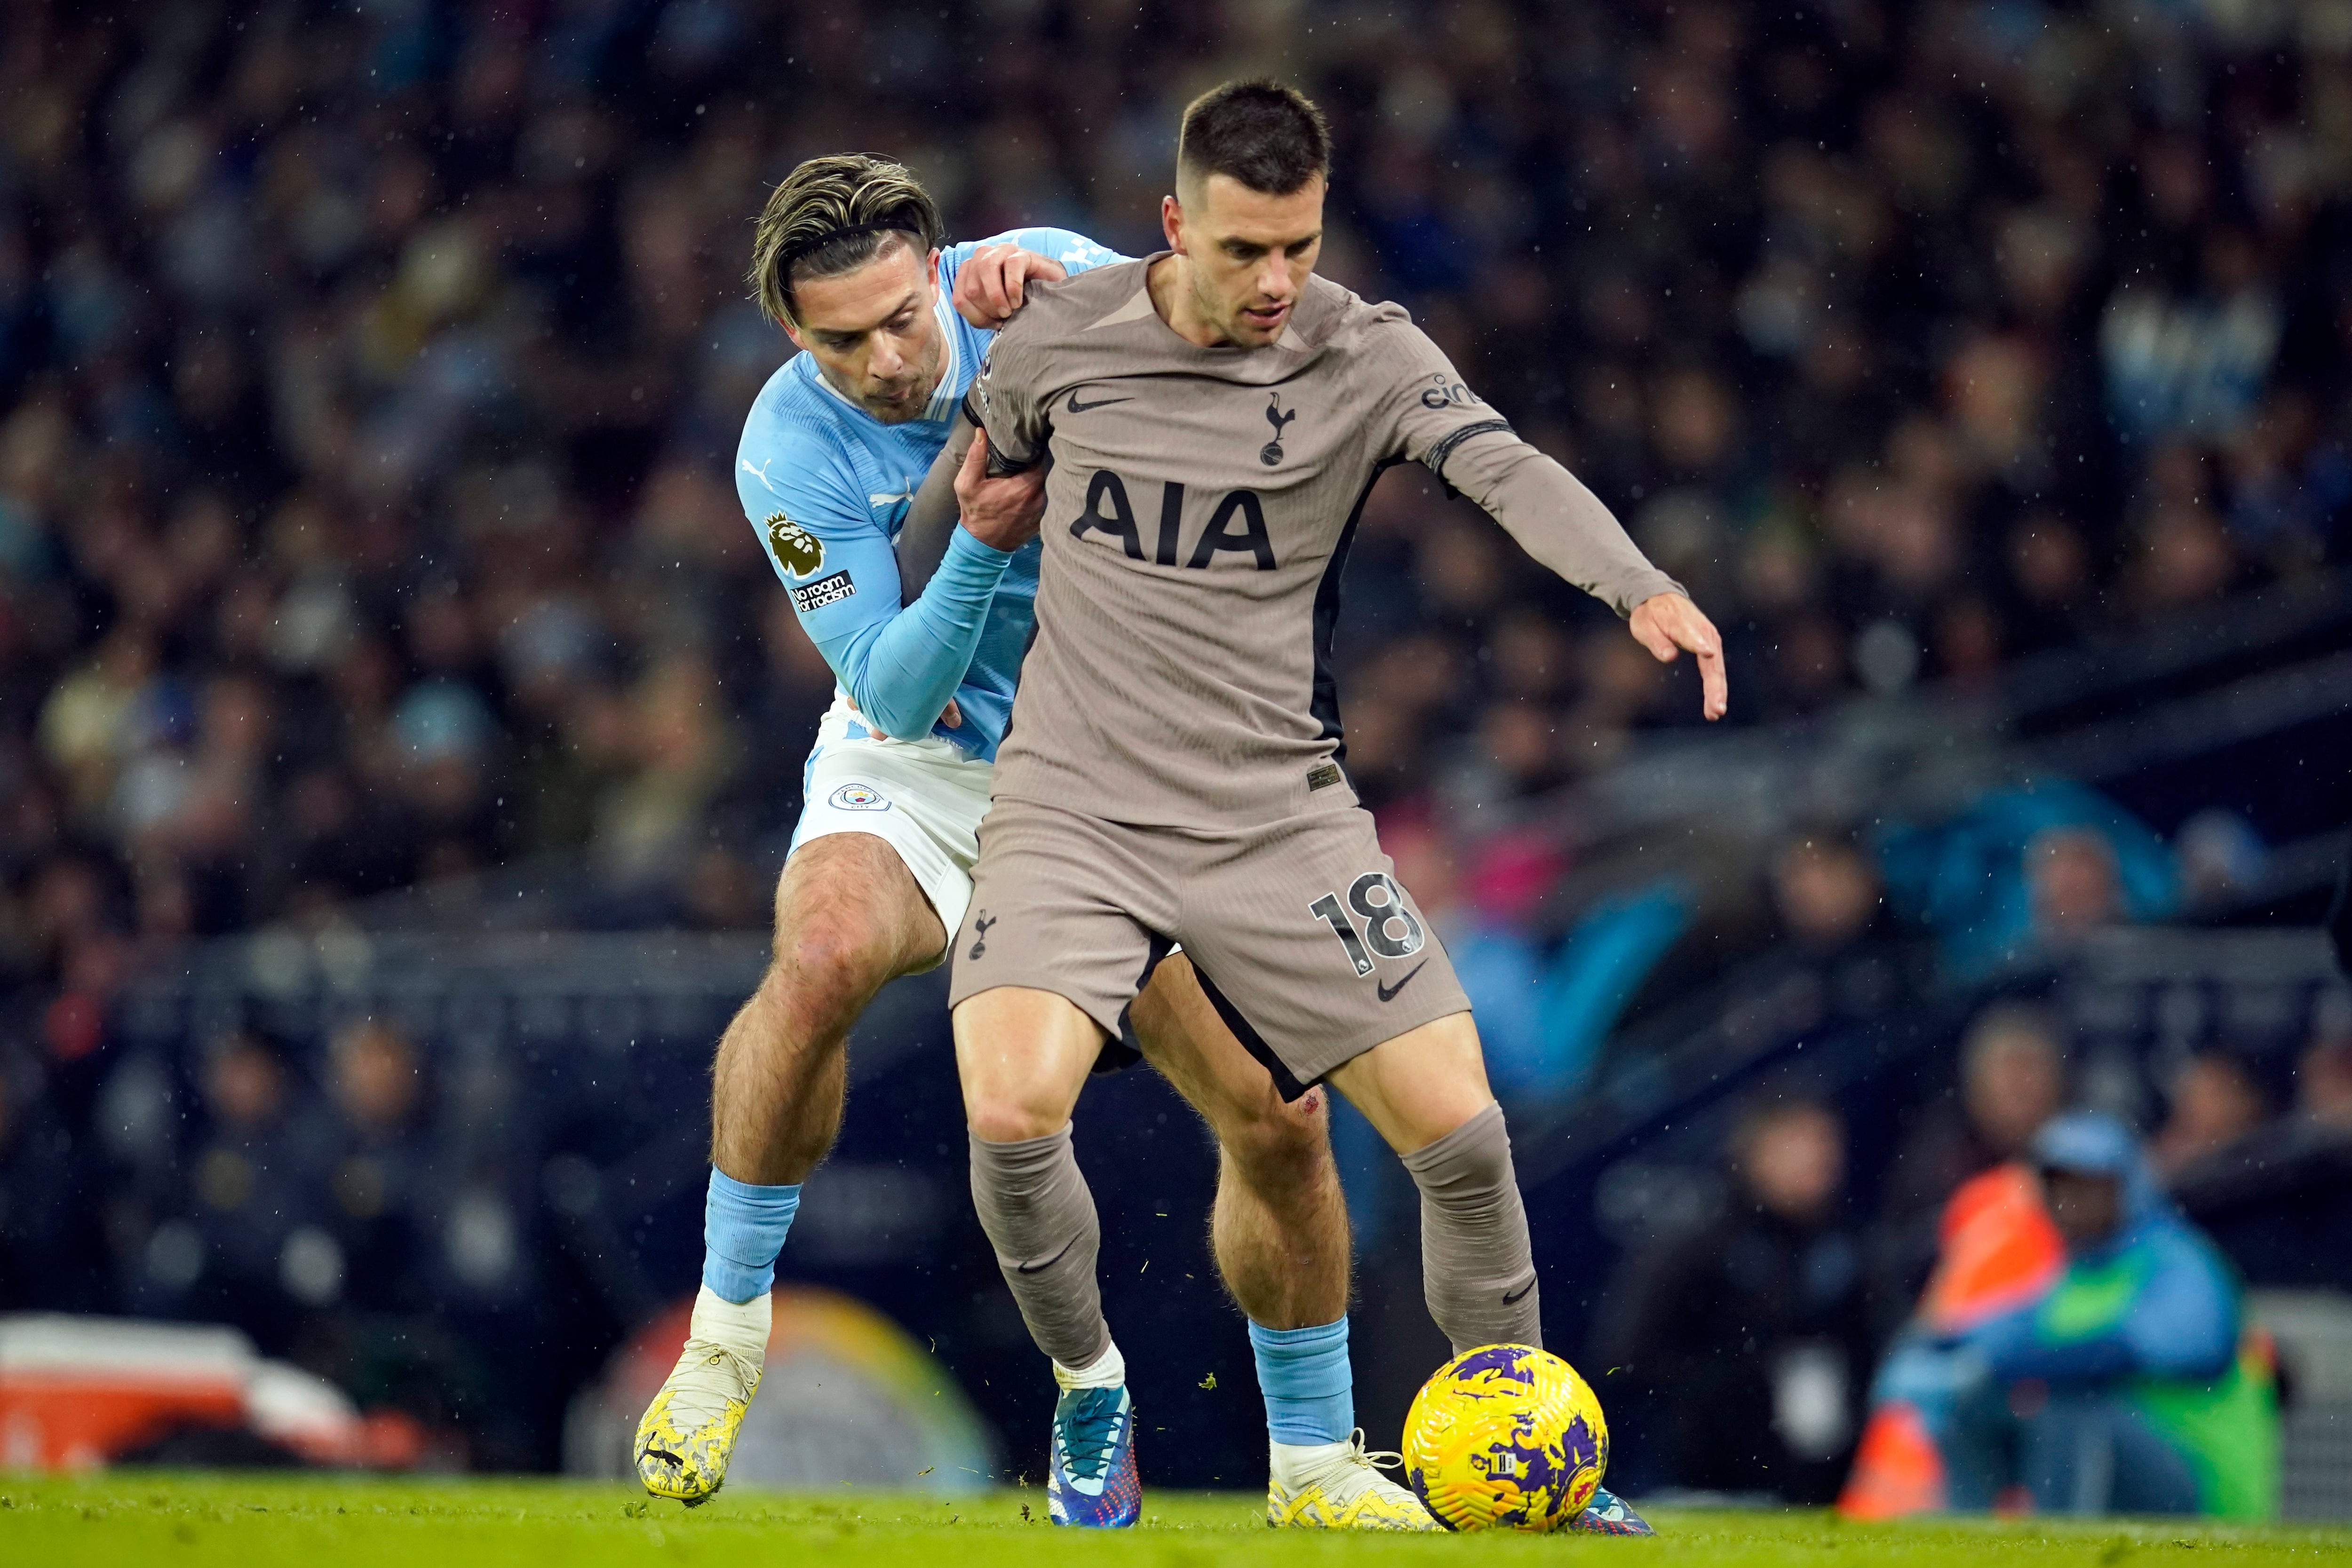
[
  {"x": 1074, "y": 406},
  {"x": 1389, "y": 993}
]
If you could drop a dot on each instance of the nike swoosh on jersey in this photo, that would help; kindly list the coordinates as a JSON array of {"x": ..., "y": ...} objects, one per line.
[
  {"x": 1074, "y": 406},
  {"x": 1388, "y": 992}
]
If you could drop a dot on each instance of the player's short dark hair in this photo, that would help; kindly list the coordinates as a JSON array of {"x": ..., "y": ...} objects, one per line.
[
  {"x": 833, "y": 215},
  {"x": 1269, "y": 137}
]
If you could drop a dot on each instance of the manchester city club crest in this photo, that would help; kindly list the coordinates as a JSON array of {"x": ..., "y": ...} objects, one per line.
[{"x": 859, "y": 798}]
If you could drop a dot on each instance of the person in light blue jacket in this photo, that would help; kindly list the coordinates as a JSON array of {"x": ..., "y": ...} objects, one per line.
[{"x": 2121, "y": 1387}]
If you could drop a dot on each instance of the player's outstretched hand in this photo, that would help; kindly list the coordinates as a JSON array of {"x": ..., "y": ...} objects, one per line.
[
  {"x": 1000, "y": 513},
  {"x": 951, "y": 715},
  {"x": 1666, "y": 623},
  {"x": 991, "y": 283}
]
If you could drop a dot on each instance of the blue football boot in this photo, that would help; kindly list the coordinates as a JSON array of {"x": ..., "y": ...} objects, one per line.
[
  {"x": 1607, "y": 1514},
  {"x": 1092, "y": 1481}
]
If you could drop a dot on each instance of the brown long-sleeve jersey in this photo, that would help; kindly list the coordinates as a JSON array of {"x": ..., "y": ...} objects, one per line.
[{"x": 1197, "y": 521}]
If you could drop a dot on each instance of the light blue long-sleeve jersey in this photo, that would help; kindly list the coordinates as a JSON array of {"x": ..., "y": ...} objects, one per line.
[{"x": 827, "y": 486}]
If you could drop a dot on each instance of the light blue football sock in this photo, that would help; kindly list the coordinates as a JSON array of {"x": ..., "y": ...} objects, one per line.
[
  {"x": 743, "y": 1228},
  {"x": 1310, "y": 1392}
]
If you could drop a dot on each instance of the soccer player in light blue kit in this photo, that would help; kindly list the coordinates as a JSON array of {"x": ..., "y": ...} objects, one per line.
[{"x": 846, "y": 259}]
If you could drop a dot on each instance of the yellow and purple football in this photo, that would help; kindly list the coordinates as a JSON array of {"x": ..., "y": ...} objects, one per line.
[{"x": 1506, "y": 1436}]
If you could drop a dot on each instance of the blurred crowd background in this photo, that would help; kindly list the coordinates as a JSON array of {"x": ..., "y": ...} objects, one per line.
[{"x": 370, "y": 375}]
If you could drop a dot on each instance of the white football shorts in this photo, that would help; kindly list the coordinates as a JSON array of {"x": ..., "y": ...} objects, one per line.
[{"x": 923, "y": 797}]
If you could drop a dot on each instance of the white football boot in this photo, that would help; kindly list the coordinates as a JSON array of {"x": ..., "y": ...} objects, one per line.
[
  {"x": 1338, "y": 1486},
  {"x": 687, "y": 1433}
]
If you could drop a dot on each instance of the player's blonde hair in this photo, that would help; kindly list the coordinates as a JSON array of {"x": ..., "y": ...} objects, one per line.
[{"x": 833, "y": 215}]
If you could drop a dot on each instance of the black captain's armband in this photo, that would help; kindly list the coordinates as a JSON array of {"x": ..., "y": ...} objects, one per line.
[{"x": 1435, "y": 461}]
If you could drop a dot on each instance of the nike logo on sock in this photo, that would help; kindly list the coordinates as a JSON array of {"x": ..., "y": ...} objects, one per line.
[
  {"x": 1388, "y": 992},
  {"x": 1032, "y": 1268},
  {"x": 1521, "y": 1293}
]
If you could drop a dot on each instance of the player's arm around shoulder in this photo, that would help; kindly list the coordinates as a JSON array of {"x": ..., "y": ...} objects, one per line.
[
  {"x": 997, "y": 505},
  {"x": 971, "y": 523},
  {"x": 988, "y": 283},
  {"x": 990, "y": 278},
  {"x": 1006, "y": 402},
  {"x": 1436, "y": 420}
]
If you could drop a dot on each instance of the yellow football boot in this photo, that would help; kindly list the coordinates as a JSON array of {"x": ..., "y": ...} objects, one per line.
[
  {"x": 687, "y": 1433},
  {"x": 1347, "y": 1493}
]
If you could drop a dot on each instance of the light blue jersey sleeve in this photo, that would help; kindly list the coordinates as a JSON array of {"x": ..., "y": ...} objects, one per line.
[
  {"x": 1076, "y": 252},
  {"x": 899, "y": 666}
]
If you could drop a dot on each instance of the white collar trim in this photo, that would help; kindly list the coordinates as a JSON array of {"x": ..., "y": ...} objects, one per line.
[{"x": 948, "y": 393}]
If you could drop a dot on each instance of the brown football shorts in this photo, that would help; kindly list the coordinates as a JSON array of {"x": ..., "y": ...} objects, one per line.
[{"x": 1304, "y": 941}]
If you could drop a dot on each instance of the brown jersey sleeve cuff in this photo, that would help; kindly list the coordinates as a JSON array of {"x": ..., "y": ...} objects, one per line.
[{"x": 1001, "y": 462}]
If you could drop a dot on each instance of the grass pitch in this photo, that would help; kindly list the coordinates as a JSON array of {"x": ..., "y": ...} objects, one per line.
[{"x": 144, "y": 1519}]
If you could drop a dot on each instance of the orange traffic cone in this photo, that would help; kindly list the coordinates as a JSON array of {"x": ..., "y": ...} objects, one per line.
[{"x": 1897, "y": 1470}]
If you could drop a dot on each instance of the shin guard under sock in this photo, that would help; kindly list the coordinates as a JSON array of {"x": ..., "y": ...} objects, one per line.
[
  {"x": 1477, "y": 1272},
  {"x": 1040, "y": 1217}
]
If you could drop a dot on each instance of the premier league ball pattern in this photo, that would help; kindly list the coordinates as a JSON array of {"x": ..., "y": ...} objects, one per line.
[{"x": 1506, "y": 1436}]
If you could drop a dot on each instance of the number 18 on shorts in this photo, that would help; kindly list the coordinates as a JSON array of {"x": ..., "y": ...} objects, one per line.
[{"x": 1301, "y": 934}]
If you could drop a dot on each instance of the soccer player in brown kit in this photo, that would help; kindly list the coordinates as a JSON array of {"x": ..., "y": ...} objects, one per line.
[
  {"x": 847, "y": 260},
  {"x": 1174, "y": 772}
]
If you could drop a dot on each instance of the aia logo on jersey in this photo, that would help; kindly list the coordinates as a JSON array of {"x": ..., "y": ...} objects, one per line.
[
  {"x": 1236, "y": 523},
  {"x": 796, "y": 550}
]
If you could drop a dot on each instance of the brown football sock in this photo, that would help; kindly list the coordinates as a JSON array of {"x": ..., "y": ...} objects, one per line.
[
  {"x": 1476, "y": 1271},
  {"x": 1038, "y": 1214}
]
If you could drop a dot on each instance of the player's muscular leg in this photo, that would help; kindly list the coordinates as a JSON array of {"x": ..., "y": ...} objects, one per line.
[
  {"x": 1022, "y": 1056},
  {"x": 849, "y": 915},
  {"x": 849, "y": 919},
  {"x": 1426, "y": 1092},
  {"x": 1420, "y": 1086},
  {"x": 1280, "y": 1226}
]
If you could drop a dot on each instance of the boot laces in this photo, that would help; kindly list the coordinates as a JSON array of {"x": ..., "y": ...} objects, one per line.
[
  {"x": 719, "y": 1376},
  {"x": 1086, "y": 1434},
  {"x": 1377, "y": 1459}
]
